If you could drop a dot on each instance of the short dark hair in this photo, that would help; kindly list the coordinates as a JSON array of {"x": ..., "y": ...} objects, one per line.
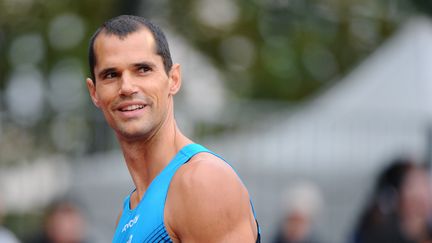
[{"x": 124, "y": 25}]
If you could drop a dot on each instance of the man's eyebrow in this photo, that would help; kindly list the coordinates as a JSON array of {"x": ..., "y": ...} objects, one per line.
[
  {"x": 106, "y": 71},
  {"x": 144, "y": 64}
]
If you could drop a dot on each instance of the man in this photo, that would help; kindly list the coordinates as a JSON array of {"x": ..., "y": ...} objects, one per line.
[
  {"x": 183, "y": 192},
  {"x": 63, "y": 222}
]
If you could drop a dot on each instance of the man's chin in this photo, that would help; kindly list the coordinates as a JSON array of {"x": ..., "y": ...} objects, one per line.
[{"x": 132, "y": 135}]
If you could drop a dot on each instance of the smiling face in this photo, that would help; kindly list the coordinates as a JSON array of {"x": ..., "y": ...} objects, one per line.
[{"x": 132, "y": 88}]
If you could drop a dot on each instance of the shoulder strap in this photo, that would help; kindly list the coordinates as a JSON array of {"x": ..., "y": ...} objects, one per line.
[{"x": 192, "y": 149}]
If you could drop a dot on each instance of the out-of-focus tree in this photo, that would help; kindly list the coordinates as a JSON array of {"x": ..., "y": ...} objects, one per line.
[
  {"x": 267, "y": 49},
  {"x": 287, "y": 49},
  {"x": 43, "y": 45},
  {"x": 424, "y": 6}
]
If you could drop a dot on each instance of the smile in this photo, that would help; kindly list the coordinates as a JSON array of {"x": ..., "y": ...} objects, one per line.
[{"x": 132, "y": 108}]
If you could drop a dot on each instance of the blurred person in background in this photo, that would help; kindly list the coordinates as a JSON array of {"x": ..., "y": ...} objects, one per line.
[
  {"x": 399, "y": 210},
  {"x": 183, "y": 192},
  {"x": 301, "y": 205},
  {"x": 63, "y": 223},
  {"x": 6, "y": 236}
]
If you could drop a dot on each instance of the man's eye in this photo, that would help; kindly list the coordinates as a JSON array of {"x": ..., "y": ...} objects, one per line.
[
  {"x": 110, "y": 75},
  {"x": 144, "y": 69}
]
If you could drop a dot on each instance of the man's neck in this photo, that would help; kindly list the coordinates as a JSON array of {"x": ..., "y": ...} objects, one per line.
[{"x": 145, "y": 159}]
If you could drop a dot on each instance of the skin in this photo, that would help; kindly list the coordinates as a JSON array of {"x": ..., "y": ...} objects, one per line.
[
  {"x": 297, "y": 226},
  {"x": 415, "y": 204},
  {"x": 206, "y": 201},
  {"x": 66, "y": 225}
]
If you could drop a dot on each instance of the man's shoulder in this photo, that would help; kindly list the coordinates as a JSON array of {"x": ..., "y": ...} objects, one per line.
[
  {"x": 206, "y": 169},
  {"x": 206, "y": 197},
  {"x": 205, "y": 183}
]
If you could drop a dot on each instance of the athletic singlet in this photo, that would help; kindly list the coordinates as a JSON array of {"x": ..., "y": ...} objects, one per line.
[{"x": 145, "y": 223}]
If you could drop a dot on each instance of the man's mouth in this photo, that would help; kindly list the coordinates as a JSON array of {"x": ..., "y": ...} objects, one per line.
[{"x": 132, "y": 108}]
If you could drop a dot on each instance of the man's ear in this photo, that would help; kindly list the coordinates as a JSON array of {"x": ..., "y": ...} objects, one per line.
[
  {"x": 175, "y": 79},
  {"x": 91, "y": 86}
]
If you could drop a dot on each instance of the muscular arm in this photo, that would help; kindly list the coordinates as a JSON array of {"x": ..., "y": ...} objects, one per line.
[{"x": 208, "y": 203}]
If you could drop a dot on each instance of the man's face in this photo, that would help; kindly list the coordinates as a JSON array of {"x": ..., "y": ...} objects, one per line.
[{"x": 132, "y": 88}]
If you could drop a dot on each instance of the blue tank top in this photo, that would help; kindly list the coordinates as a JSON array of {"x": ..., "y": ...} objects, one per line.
[{"x": 145, "y": 223}]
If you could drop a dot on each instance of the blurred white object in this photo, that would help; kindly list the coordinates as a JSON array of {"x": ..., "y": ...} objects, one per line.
[
  {"x": 302, "y": 197},
  {"x": 28, "y": 186},
  {"x": 7, "y": 237}
]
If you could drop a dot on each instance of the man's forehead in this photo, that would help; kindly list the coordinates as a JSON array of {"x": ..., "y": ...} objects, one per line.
[
  {"x": 107, "y": 47},
  {"x": 141, "y": 31},
  {"x": 111, "y": 51},
  {"x": 142, "y": 35}
]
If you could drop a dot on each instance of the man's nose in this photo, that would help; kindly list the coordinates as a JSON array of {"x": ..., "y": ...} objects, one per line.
[{"x": 127, "y": 85}]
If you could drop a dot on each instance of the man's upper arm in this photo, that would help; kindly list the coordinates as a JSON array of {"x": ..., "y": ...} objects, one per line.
[{"x": 210, "y": 204}]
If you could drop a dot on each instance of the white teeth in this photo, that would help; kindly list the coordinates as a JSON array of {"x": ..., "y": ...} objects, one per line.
[{"x": 132, "y": 107}]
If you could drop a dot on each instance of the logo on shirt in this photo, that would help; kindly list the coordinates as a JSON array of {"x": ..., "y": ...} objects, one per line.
[{"x": 131, "y": 223}]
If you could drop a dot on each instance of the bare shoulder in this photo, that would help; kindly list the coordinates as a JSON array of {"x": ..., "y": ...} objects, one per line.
[
  {"x": 209, "y": 202},
  {"x": 208, "y": 169},
  {"x": 208, "y": 175}
]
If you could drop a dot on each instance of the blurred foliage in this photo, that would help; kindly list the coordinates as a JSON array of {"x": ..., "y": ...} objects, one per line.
[
  {"x": 20, "y": 19},
  {"x": 424, "y": 6},
  {"x": 30, "y": 16},
  {"x": 266, "y": 49},
  {"x": 298, "y": 46},
  {"x": 25, "y": 226}
]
